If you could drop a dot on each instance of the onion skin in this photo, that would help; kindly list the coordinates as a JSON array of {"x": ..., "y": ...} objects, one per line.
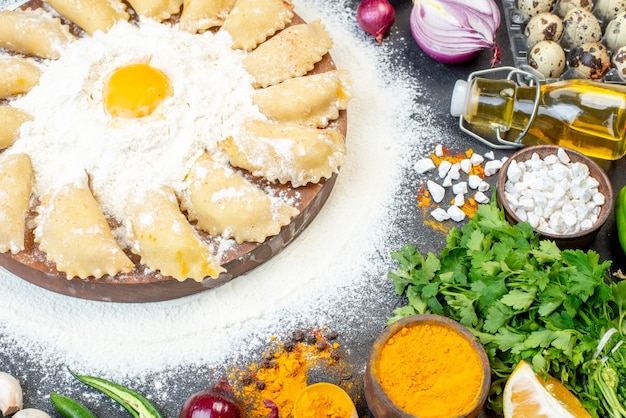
[
  {"x": 454, "y": 31},
  {"x": 375, "y": 17},
  {"x": 218, "y": 401}
]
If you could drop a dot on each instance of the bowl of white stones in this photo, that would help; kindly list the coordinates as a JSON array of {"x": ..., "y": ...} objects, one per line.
[{"x": 564, "y": 195}]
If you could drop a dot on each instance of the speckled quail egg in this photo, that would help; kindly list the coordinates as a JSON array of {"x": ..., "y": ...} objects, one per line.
[
  {"x": 563, "y": 7},
  {"x": 619, "y": 62},
  {"x": 580, "y": 27},
  {"x": 548, "y": 58},
  {"x": 590, "y": 60},
  {"x": 543, "y": 27},
  {"x": 615, "y": 32},
  {"x": 530, "y": 8},
  {"x": 606, "y": 10}
]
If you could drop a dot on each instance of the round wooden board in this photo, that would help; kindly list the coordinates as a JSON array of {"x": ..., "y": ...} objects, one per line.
[{"x": 142, "y": 285}]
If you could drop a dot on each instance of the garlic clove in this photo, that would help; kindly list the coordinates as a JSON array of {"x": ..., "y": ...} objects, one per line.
[
  {"x": 31, "y": 413},
  {"x": 10, "y": 394}
]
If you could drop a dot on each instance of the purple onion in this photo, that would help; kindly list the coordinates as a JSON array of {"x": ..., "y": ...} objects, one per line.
[
  {"x": 375, "y": 17},
  {"x": 453, "y": 31}
]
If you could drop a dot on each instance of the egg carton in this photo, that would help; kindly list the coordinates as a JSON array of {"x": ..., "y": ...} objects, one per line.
[{"x": 516, "y": 22}]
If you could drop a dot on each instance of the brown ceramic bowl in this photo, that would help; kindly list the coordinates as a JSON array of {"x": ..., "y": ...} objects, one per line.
[
  {"x": 380, "y": 404},
  {"x": 583, "y": 238}
]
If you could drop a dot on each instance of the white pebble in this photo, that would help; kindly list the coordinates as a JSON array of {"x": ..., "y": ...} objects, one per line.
[
  {"x": 443, "y": 168},
  {"x": 455, "y": 171},
  {"x": 473, "y": 181},
  {"x": 483, "y": 186},
  {"x": 459, "y": 199},
  {"x": 492, "y": 167},
  {"x": 424, "y": 165},
  {"x": 563, "y": 157},
  {"x": 456, "y": 214},
  {"x": 439, "y": 150},
  {"x": 489, "y": 155},
  {"x": 480, "y": 197},
  {"x": 466, "y": 165},
  {"x": 459, "y": 188},
  {"x": 477, "y": 159},
  {"x": 436, "y": 191},
  {"x": 440, "y": 214},
  {"x": 553, "y": 194}
]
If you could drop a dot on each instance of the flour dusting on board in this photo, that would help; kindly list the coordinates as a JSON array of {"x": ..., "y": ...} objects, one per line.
[{"x": 311, "y": 279}]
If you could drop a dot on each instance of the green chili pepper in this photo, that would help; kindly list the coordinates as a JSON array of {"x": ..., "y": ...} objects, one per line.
[
  {"x": 620, "y": 217},
  {"x": 70, "y": 408},
  {"x": 136, "y": 404}
]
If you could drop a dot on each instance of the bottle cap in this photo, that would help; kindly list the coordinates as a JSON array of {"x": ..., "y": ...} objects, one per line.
[{"x": 459, "y": 93}]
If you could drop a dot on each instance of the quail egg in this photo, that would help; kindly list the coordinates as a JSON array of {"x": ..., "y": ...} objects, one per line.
[
  {"x": 615, "y": 32},
  {"x": 530, "y": 8},
  {"x": 563, "y": 7},
  {"x": 607, "y": 10},
  {"x": 548, "y": 58},
  {"x": 590, "y": 60},
  {"x": 619, "y": 62},
  {"x": 580, "y": 26},
  {"x": 543, "y": 27}
]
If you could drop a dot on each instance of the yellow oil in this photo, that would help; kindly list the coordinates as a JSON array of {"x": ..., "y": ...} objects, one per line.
[{"x": 587, "y": 116}]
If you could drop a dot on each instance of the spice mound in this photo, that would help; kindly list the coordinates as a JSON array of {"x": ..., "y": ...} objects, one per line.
[
  {"x": 430, "y": 370},
  {"x": 324, "y": 400}
]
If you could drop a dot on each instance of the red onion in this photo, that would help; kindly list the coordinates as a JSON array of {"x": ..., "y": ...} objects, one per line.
[
  {"x": 375, "y": 17},
  {"x": 216, "y": 401},
  {"x": 452, "y": 31}
]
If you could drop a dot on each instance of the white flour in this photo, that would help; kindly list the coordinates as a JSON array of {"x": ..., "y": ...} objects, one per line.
[{"x": 312, "y": 278}]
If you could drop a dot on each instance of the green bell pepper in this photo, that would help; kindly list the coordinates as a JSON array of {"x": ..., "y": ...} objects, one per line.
[{"x": 620, "y": 217}]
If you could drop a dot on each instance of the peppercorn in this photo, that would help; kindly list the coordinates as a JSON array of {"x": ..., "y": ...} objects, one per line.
[
  {"x": 298, "y": 336},
  {"x": 335, "y": 354},
  {"x": 311, "y": 339},
  {"x": 331, "y": 335},
  {"x": 260, "y": 385},
  {"x": 321, "y": 345},
  {"x": 289, "y": 345},
  {"x": 247, "y": 380}
]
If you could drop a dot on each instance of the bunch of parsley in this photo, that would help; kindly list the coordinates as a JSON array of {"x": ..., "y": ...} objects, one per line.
[{"x": 525, "y": 299}]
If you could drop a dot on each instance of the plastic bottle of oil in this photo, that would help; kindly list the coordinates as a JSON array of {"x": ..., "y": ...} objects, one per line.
[{"x": 583, "y": 115}]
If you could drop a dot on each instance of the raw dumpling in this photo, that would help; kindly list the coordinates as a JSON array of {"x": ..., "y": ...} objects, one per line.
[
  {"x": 286, "y": 152},
  {"x": 158, "y": 10},
  {"x": 10, "y": 121},
  {"x": 200, "y": 15},
  {"x": 15, "y": 188},
  {"x": 253, "y": 21},
  {"x": 164, "y": 238},
  {"x": 91, "y": 15},
  {"x": 290, "y": 53},
  {"x": 75, "y": 235},
  {"x": 224, "y": 202},
  {"x": 17, "y": 75},
  {"x": 312, "y": 100},
  {"x": 33, "y": 33}
]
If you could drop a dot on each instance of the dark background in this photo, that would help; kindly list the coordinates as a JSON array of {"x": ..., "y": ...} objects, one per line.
[{"x": 356, "y": 335}]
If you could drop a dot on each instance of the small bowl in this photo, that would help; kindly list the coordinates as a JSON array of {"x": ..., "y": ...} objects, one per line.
[
  {"x": 331, "y": 392},
  {"x": 583, "y": 238},
  {"x": 379, "y": 402}
]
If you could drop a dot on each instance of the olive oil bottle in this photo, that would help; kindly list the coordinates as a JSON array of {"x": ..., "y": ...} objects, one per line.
[{"x": 583, "y": 115}]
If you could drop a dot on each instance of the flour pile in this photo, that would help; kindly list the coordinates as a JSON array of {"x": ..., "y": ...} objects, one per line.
[{"x": 329, "y": 273}]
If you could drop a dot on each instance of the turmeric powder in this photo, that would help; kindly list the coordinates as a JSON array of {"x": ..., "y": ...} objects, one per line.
[
  {"x": 320, "y": 405},
  {"x": 283, "y": 373},
  {"x": 431, "y": 371}
]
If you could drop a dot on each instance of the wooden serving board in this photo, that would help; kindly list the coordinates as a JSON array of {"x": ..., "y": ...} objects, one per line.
[{"x": 142, "y": 285}]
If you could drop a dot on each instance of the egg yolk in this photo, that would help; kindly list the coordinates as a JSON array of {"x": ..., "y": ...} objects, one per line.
[{"x": 135, "y": 91}]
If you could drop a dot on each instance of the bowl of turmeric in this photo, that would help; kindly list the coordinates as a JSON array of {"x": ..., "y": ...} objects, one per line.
[{"x": 427, "y": 365}]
